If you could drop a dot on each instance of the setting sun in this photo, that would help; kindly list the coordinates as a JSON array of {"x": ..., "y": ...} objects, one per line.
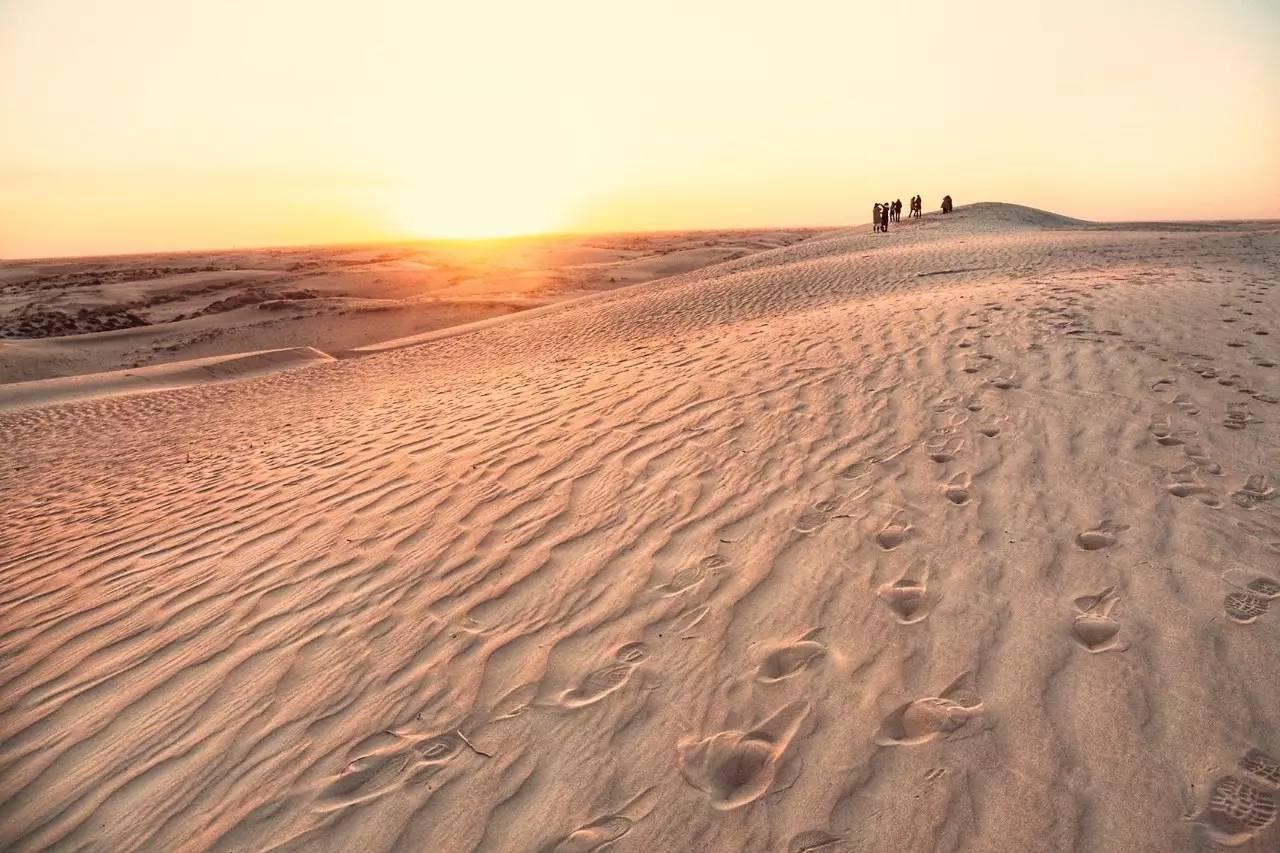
[{"x": 419, "y": 212}]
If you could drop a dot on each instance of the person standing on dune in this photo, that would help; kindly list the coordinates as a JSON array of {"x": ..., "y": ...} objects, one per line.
[
  {"x": 884, "y": 216},
  {"x": 875, "y": 218},
  {"x": 897, "y": 210}
]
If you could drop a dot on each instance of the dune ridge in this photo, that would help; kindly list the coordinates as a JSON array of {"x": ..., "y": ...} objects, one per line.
[{"x": 960, "y": 537}]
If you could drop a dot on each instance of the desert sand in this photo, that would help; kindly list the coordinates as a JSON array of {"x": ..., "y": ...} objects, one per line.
[
  {"x": 68, "y": 317},
  {"x": 963, "y": 537}
]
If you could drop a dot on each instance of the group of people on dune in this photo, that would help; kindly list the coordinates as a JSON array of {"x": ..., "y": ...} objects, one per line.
[{"x": 891, "y": 211}]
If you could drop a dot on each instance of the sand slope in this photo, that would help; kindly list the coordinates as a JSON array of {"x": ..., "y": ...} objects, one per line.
[
  {"x": 963, "y": 537},
  {"x": 71, "y": 316}
]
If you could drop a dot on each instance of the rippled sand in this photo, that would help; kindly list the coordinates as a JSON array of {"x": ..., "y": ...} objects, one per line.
[{"x": 963, "y": 537}]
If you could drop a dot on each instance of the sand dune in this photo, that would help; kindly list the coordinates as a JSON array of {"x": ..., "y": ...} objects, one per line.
[
  {"x": 66, "y": 317},
  {"x": 962, "y": 537}
]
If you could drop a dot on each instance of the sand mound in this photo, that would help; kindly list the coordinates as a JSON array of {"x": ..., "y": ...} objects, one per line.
[
  {"x": 960, "y": 537},
  {"x": 998, "y": 216},
  {"x": 162, "y": 377}
]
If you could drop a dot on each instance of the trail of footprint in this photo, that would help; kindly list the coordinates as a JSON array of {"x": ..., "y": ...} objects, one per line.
[
  {"x": 1104, "y": 535},
  {"x": 925, "y": 719},
  {"x": 1096, "y": 624},
  {"x": 735, "y": 767},
  {"x": 783, "y": 660}
]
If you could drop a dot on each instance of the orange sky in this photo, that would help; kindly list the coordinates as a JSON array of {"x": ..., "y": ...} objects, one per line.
[{"x": 145, "y": 125}]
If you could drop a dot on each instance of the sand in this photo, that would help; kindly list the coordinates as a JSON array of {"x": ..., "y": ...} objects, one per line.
[
  {"x": 963, "y": 537},
  {"x": 68, "y": 317}
]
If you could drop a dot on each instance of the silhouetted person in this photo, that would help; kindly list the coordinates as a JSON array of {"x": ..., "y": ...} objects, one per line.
[
  {"x": 884, "y": 216},
  {"x": 915, "y": 206},
  {"x": 875, "y": 217},
  {"x": 897, "y": 210},
  {"x": 946, "y": 204}
]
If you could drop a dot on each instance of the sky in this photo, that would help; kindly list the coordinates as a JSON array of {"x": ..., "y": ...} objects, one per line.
[{"x": 148, "y": 125}]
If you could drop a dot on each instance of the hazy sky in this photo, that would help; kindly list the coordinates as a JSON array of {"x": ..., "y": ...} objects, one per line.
[{"x": 155, "y": 124}]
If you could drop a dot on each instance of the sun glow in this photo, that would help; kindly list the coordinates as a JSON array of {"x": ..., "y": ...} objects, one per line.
[
  {"x": 165, "y": 125},
  {"x": 422, "y": 213}
]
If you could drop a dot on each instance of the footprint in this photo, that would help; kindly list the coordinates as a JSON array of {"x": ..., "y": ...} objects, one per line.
[
  {"x": 943, "y": 448},
  {"x": 1238, "y": 416},
  {"x": 1238, "y": 811},
  {"x": 956, "y": 489},
  {"x": 1004, "y": 380},
  {"x": 439, "y": 749},
  {"x": 893, "y": 534},
  {"x": 363, "y": 779},
  {"x": 1245, "y": 607},
  {"x": 1196, "y": 455},
  {"x": 594, "y": 836},
  {"x": 632, "y": 653},
  {"x": 989, "y": 430},
  {"x": 735, "y": 767},
  {"x": 687, "y": 578},
  {"x": 932, "y": 717},
  {"x": 1102, "y": 536},
  {"x": 607, "y": 679},
  {"x": 1185, "y": 485},
  {"x": 1096, "y": 625},
  {"x": 393, "y": 759},
  {"x": 857, "y": 470},
  {"x": 1164, "y": 433},
  {"x": 811, "y": 840},
  {"x": 1255, "y": 490},
  {"x": 1261, "y": 767},
  {"x": 907, "y": 597},
  {"x": 1186, "y": 404},
  {"x": 812, "y": 519},
  {"x": 1264, "y": 586},
  {"x": 603, "y": 831},
  {"x": 787, "y": 659}
]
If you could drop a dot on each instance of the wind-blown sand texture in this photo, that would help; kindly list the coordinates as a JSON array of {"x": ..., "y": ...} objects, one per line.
[
  {"x": 963, "y": 537},
  {"x": 71, "y": 316}
]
